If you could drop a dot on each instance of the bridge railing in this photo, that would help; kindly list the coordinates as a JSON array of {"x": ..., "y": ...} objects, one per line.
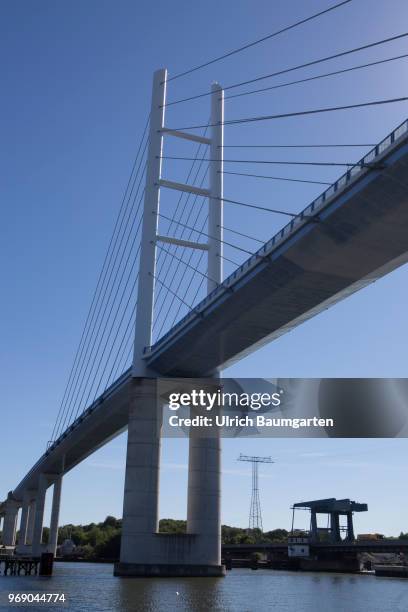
[
  {"x": 311, "y": 210},
  {"x": 99, "y": 400},
  {"x": 54, "y": 443}
]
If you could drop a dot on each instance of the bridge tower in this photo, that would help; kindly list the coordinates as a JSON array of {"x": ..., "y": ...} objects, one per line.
[{"x": 145, "y": 552}]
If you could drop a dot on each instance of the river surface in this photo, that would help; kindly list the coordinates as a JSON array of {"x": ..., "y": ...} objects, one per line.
[{"x": 91, "y": 587}]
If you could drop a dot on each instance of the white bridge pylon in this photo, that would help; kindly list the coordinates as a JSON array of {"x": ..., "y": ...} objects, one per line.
[
  {"x": 144, "y": 551},
  {"x": 154, "y": 183}
]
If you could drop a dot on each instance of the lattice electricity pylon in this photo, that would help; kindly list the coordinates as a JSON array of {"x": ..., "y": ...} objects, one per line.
[{"x": 255, "y": 514}]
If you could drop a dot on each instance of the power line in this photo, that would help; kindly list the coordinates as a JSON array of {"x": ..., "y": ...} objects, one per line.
[
  {"x": 278, "y": 178},
  {"x": 317, "y": 77},
  {"x": 277, "y": 162},
  {"x": 293, "y": 68},
  {"x": 260, "y": 40},
  {"x": 300, "y": 113}
]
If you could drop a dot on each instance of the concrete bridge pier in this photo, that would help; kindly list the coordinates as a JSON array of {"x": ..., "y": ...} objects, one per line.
[
  {"x": 55, "y": 511},
  {"x": 204, "y": 500},
  {"x": 31, "y": 518},
  {"x": 145, "y": 551},
  {"x": 39, "y": 515},
  {"x": 10, "y": 522},
  {"x": 25, "y": 510},
  {"x": 141, "y": 497}
]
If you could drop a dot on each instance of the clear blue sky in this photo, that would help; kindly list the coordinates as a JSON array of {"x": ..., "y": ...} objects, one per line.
[{"x": 76, "y": 80}]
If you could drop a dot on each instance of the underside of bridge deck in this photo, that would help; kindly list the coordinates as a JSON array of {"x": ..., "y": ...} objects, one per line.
[{"x": 361, "y": 235}]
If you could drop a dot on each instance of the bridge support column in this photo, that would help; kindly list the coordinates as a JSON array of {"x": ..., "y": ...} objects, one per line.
[
  {"x": 204, "y": 500},
  {"x": 30, "y": 524},
  {"x": 39, "y": 515},
  {"x": 204, "y": 462},
  {"x": 10, "y": 523},
  {"x": 55, "y": 510},
  {"x": 144, "y": 551},
  {"x": 141, "y": 498},
  {"x": 22, "y": 536}
]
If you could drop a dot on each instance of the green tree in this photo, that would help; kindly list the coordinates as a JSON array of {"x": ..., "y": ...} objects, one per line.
[
  {"x": 167, "y": 525},
  {"x": 110, "y": 549}
]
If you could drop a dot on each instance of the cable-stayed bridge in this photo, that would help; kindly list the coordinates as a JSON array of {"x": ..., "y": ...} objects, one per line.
[{"x": 192, "y": 320}]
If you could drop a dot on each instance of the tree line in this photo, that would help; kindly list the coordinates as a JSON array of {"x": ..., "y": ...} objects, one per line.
[{"x": 102, "y": 540}]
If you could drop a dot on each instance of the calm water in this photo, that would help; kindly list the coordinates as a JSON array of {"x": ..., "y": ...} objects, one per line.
[{"x": 91, "y": 587}]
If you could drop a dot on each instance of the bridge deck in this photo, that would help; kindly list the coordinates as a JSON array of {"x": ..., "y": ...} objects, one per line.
[
  {"x": 360, "y": 236},
  {"x": 101, "y": 422}
]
